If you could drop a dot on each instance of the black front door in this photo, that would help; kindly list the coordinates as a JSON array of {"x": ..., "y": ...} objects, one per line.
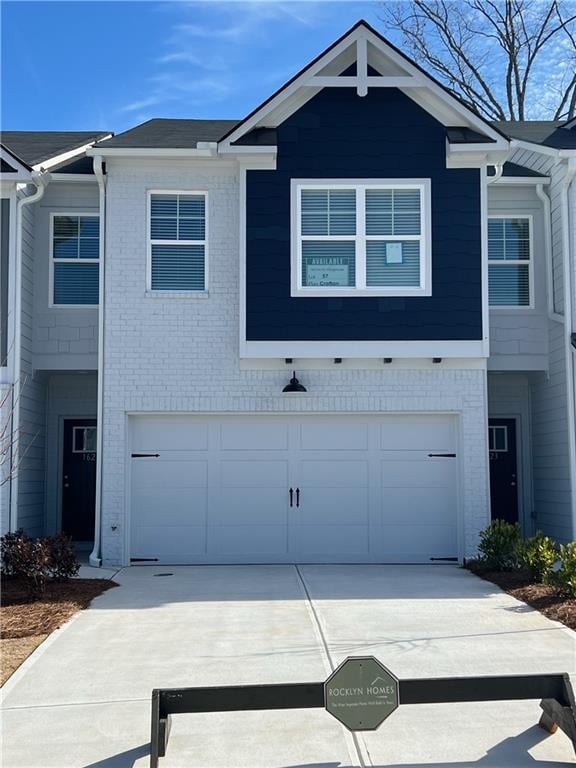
[
  {"x": 503, "y": 469},
  {"x": 79, "y": 478}
]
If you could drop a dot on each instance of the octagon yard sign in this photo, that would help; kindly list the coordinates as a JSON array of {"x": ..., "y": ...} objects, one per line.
[{"x": 361, "y": 693}]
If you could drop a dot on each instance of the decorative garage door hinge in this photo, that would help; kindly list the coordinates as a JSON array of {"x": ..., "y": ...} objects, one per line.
[
  {"x": 145, "y": 455},
  {"x": 438, "y": 455}
]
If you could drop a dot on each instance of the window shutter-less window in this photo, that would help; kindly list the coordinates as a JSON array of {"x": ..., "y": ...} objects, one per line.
[
  {"x": 327, "y": 216},
  {"x": 75, "y": 253},
  {"x": 178, "y": 242},
  {"x": 509, "y": 262}
]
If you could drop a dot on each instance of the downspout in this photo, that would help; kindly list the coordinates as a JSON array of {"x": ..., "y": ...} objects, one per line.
[
  {"x": 568, "y": 325},
  {"x": 40, "y": 179},
  {"x": 548, "y": 247},
  {"x": 498, "y": 170},
  {"x": 100, "y": 173}
]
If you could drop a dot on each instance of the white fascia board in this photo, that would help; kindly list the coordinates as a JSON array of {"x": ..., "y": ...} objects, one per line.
[
  {"x": 149, "y": 152},
  {"x": 247, "y": 150},
  {"x": 520, "y": 180},
  {"x": 65, "y": 157},
  {"x": 475, "y": 155},
  {"x": 415, "y": 80},
  {"x": 88, "y": 178},
  {"x": 361, "y": 349}
]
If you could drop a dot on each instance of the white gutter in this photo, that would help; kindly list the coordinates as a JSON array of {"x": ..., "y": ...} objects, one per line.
[
  {"x": 40, "y": 180},
  {"x": 568, "y": 325},
  {"x": 548, "y": 252},
  {"x": 99, "y": 171}
]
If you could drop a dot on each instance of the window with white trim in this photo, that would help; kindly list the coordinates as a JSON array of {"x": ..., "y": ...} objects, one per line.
[
  {"x": 509, "y": 261},
  {"x": 361, "y": 238},
  {"x": 177, "y": 241},
  {"x": 75, "y": 259}
]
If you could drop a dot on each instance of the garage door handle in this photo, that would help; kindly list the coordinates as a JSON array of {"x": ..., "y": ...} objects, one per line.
[
  {"x": 442, "y": 455},
  {"x": 291, "y": 497},
  {"x": 297, "y": 497},
  {"x": 145, "y": 455}
]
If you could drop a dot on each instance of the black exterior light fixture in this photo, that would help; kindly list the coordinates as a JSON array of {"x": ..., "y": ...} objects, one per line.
[
  {"x": 294, "y": 385},
  {"x": 436, "y": 360}
]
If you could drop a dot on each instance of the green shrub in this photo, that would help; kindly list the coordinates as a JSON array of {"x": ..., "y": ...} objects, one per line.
[
  {"x": 565, "y": 577},
  {"x": 499, "y": 546},
  {"x": 538, "y": 555}
]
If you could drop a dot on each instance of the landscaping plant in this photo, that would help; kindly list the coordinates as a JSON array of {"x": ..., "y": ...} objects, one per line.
[
  {"x": 565, "y": 577},
  {"x": 499, "y": 546},
  {"x": 35, "y": 561},
  {"x": 538, "y": 555},
  {"x": 62, "y": 561}
]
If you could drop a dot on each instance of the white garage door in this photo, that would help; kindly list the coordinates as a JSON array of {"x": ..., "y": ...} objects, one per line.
[{"x": 274, "y": 489}]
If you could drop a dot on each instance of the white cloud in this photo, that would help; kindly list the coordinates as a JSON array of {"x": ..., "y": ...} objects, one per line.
[{"x": 136, "y": 105}]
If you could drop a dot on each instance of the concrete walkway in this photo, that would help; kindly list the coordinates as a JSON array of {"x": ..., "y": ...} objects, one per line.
[{"x": 82, "y": 700}]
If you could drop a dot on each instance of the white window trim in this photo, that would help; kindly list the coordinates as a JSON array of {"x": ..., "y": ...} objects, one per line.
[
  {"x": 514, "y": 262},
  {"x": 361, "y": 185},
  {"x": 51, "y": 303},
  {"x": 492, "y": 428},
  {"x": 163, "y": 293}
]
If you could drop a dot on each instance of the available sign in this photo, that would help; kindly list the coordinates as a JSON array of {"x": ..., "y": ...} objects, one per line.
[
  {"x": 361, "y": 693},
  {"x": 324, "y": 271}
]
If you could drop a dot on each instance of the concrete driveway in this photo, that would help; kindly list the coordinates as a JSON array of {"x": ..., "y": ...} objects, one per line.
[{"x": 83, "y": 699}]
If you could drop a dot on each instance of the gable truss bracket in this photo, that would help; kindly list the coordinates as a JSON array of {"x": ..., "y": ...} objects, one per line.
[{"x": 362, "y": 81}]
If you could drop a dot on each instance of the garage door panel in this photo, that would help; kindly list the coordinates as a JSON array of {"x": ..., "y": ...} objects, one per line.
[
  {"x": 399, "y": 542},
  {"x": 420, "y": 506},
  {"x": 245, "y": 540},
  {"x": 428, "y": 473},
  {"x": 152, "y": 473},
  {"x": 249, "y": 506},
  {"x": 330, "y": 506},
  {"x": 170, "y": 544},
  {"x": 328, "y": 435},
  {"x": 331, "y": 540},
  {"x": 254, "y": 435},
  {"x": 416, "y": 432},
  {"x": 169, "y": 506},
  {"x": 158, "y": 433},
  {"x": 254, "y": 474},
  {"x": 219, "y": 490},
  {"x": 332, "y": 474}
]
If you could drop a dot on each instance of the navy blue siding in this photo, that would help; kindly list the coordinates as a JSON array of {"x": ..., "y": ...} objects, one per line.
[{"x": 382, "y": 135}]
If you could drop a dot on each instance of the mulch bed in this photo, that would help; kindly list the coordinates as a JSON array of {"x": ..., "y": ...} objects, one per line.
[
  {"x": 521, "y": 585},
  {"x": 26, "y": 622}
]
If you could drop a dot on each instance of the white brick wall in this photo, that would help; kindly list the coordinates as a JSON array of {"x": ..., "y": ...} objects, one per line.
[{"x": 175, "y": 354}]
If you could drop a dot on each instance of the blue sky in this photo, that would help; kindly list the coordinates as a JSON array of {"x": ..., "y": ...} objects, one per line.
[{"x": 112, "y": 65}]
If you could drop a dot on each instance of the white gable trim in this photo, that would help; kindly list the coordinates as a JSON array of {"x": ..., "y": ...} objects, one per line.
[
  {"x": 419, "y": 86},
  {"x": 23, "y": 172},
  {"x": 64, "y": 157}
]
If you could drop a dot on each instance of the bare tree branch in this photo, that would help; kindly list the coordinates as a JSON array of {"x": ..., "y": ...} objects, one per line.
[{"x": 507, "y": 59}]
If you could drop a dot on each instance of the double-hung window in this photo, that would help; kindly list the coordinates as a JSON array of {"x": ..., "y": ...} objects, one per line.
[
  {"x": 509, "y": 261},
  {"x": 177, "y": 241},
  {"x": 361, "y": 238},
  {"x": 74, "y": 259}
]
